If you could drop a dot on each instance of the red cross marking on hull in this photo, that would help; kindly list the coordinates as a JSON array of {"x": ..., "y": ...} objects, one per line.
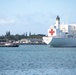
[{"x": 51, "y": 32}]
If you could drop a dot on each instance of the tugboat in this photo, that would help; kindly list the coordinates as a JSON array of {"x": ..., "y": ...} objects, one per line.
[
  {"x": 4, "y": 43},
  {"x": 11, "y": 45},
  {"x": 8, "y": 44}
]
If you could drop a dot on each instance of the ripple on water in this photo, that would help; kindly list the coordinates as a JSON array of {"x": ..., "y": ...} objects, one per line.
[{"x": 37, "y": 60}]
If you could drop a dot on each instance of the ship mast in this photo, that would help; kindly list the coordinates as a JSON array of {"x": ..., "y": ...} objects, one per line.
[{"x": 57, "y": 22}]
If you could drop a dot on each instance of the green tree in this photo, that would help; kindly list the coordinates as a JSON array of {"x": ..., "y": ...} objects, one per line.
[
  {"x": 26, "y": 34},
  {"x": 29, "y": 33}
]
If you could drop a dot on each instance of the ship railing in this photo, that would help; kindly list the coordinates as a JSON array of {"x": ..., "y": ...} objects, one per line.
[{"x": 71, "y": 36}]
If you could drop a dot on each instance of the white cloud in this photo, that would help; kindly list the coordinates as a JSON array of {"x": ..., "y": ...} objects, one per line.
[{"x": 6, "y": 21}]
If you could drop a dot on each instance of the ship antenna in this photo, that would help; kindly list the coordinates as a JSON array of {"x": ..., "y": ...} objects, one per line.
[{"x": 66, "y": 20}]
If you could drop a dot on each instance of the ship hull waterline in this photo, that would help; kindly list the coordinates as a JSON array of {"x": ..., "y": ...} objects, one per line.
[{"x": 60, "y": 42}]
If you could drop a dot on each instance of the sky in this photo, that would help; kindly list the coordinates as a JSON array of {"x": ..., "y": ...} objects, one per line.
[{"x": 35, "y": 16}]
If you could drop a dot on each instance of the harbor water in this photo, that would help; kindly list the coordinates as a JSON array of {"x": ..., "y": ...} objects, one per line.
[{"x": 37, "y": 60}]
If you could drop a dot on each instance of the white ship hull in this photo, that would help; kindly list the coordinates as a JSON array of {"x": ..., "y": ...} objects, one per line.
[{"x": 60, "y": 42}]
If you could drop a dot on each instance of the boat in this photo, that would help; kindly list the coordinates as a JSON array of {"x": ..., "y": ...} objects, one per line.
[
  {"x": 61, "y": 35},
  {"x": 5, "y": 43},
  {"x": 8, "y": 44}
]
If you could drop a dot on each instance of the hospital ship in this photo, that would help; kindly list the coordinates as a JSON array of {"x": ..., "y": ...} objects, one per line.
[{"x": 61, "y": 35}]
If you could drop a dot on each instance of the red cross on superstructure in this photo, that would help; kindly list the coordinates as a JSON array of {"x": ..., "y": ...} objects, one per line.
[{"x": 52, "y": 32}]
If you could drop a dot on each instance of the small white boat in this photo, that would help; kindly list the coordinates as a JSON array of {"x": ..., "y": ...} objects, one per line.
[{"x": 7, "y": 44}]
